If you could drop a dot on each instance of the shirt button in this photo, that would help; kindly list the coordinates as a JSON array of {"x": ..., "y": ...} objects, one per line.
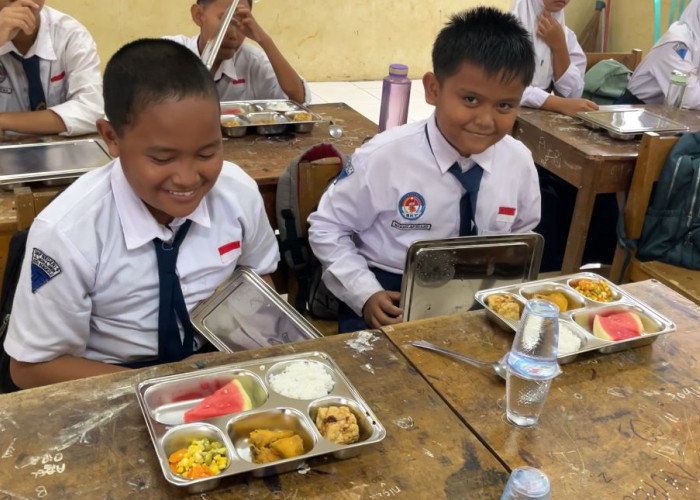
[{"x": 184, "y": 287}]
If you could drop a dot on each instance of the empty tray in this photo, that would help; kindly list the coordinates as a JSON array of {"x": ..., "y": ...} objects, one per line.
[{"x": 627, "y": 124}]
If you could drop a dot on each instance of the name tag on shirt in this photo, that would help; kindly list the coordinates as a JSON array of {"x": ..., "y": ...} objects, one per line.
[
  {"x": 229, "y": 251},
  {"x": 505, "y": 214}
]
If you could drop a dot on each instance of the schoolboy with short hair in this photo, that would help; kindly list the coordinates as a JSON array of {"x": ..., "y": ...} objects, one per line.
[
  {"x": 50, "y": 79},
  {"x": 115, "y": 263},
  {"x": 403, "y": 185},
  {"x": 241, "y": 70}
]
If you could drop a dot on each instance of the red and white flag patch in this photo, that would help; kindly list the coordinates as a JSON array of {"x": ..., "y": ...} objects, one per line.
[
  {"x": 228, "y": 251},
  {"x": 239, "y": 81},
  {"x": 505, "y": 214}
]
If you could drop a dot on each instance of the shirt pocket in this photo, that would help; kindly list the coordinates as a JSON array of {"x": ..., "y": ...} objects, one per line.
[
  {"x": 497, "y": 228},
  {"x": 58, "y": 89}
]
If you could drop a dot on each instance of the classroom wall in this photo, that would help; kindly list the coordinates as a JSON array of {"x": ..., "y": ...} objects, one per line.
[
  {"x": 325, "y": 40},
  {"x": 632, "y": 24}
]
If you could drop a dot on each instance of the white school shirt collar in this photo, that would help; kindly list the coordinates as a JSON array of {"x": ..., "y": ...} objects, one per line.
[
  {"x": 446, "y": 155},
  {"x": 138, "y": 225},
  {"x": 42, "y": 46}
]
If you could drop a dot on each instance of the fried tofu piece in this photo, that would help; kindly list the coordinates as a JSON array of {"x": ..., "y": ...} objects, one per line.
[
  {"x": 505, "y": 306},
  {"x": 338, "y": 424}
]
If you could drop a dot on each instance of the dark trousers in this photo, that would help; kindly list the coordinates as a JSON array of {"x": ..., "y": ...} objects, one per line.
[
  {"x": 348, "y": 321},
  {"x": 628, "y": 98},
  {"x": 558, "y": 199},
  {"x": 206, "y": 347}
]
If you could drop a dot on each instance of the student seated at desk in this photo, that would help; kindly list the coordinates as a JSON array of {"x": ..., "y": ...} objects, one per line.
[
  {"x": 559, "y": 59},
  {"x": 408, "y": 183},
  {"x": 49, "y": 71},
  {"x": 241, "y": 70},
  {"x": 678, "y": 49},
  {"x": 115, "y": 263}
]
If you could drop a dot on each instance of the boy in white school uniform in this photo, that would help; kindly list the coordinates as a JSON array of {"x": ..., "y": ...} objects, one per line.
[
  {"x": 241, "y": 70},
  {"x": 678, "y": 49},
  {"x": 560, "y": 62},
  {"x": 50, "y": 79},
  {"x": 403, "y": 185},
  {"x": 115, "y": 263}
]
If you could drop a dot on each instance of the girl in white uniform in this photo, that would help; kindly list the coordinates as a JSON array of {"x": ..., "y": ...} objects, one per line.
[
  {"x": 559, "y": 60},
  {"x": 678, "y": 49}
]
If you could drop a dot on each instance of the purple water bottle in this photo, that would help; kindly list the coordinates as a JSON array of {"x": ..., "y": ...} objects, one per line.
[{"x": 396, "y": 91}]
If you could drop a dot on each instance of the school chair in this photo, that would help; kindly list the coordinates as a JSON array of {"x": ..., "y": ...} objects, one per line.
[
  {"x": 629, "y": 59},
  {"x": 653, "y": 151}
]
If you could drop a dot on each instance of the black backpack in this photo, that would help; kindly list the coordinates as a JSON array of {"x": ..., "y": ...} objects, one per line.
[{"x": 313, "y": 169}]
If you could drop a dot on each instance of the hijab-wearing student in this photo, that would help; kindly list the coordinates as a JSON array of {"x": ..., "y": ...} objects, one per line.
[
  {"x": 678, "y": 49},
  {"x": 559, "y": 59},
  {"x": 50, "y": 79},
  {"x": 241, "y": 70}
]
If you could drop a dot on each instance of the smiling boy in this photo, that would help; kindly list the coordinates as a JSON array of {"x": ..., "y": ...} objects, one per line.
[
  {"x": 403, "y": 185},
  {"x": 95, "y": 294}
]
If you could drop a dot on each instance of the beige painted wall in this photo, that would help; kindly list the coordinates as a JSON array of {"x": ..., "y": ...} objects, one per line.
[
  {"x": 632, "y": 23},
  {"x": 325, "y": 40}
]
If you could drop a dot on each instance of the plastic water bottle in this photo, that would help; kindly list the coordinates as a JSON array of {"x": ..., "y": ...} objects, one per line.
[
  {"x": 676, "y": 90},
  {"x": 396, "y": 92},
  {"x": 527, "y": 483}
]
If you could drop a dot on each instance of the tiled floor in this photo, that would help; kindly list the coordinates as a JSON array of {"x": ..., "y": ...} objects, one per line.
[{"x": 365, "y": 97}]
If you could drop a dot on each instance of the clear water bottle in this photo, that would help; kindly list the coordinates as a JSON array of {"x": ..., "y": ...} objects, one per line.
[
  {"x": 676, "y": 90},
  {"x": 527, "y": 483},
  {"x": 396, "y": 92}
]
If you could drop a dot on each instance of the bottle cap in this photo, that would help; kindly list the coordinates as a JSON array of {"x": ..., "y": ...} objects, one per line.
[
  {"x": 398, "y": 69},
  {"x": 679, "y": 77},
  {"x": 527, "y": 483}
]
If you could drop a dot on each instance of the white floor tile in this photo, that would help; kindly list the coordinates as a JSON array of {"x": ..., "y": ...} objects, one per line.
[{"x": 369, "y": 85}]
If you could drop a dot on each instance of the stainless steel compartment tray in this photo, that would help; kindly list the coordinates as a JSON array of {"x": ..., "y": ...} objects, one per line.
[
  {"x": 50, "y": 160},
  {"x": 285, "y": 108},
  {"x": 584, "y": 308},
  {"x": 626, "y": 124},
  {"x": 164, "y": 400}
]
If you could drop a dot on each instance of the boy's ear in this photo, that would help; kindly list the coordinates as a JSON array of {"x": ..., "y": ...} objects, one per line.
[
  {"x": 197, "y": 14},
  {"x": 432, "y": 88},
  {"x": 109, "y": 135}
]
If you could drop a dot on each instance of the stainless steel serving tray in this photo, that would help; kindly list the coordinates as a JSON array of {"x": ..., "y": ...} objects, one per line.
[
  {"x": 626, "y": 124},
  {"x": 441, "y": 276},
  {"x": 164, "y": 401},
  {"x": 280, "y": 111},
  {"x": 246, "y": 313},
  {"x": 578, "y": 319},
  {"x": 47, "y": 161}
]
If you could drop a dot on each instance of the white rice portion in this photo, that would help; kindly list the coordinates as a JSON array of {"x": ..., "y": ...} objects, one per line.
[
  {"x": 302, "y": 380},
  {"x": 568, "y": 341}
]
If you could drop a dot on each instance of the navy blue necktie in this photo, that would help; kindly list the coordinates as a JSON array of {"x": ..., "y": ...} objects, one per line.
[
  {"x": 470, "y": 180},
  {"x": 172, "y": 303},
  {"x": 37, "y": 99}
]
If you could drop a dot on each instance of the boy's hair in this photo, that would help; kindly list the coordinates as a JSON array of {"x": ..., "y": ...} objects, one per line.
[
  {"x": 207, "y": 2},
  {"x": 489, "y": 38},
  {"x": 150, "y": 71}
]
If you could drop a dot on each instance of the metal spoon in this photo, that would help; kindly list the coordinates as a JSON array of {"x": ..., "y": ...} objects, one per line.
[
  {"x": 498, "y": 366},
  {"x": 335, "y": 130}
]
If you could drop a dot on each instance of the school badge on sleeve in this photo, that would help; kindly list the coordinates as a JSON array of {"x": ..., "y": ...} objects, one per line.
[{"x": 44, "y": 268}]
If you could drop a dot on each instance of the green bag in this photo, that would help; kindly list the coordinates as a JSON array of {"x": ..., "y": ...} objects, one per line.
[{"x": 606, "y": 81}]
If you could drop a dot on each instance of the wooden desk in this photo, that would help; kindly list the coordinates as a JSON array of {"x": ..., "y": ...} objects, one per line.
[
  {"x": 590, "y": 160},
  {"x": 621, "y": 425},
  {"x": 92, "y": 435},
  {"x": 262, "y": 157}
]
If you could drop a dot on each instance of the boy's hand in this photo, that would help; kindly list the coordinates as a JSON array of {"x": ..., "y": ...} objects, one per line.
[
  {"x": 381, "y": 309},
  {"x": 572, "y": 106},
  {"x": 549, "y": 30},
  {"x": 18, "y": 16},
  {"x": 246, "y": 23}
]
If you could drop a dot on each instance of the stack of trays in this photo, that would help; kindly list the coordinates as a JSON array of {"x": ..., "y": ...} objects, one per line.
[
  {"x": 266, "y": 117},
  {"x": 165, "y": 400},
  {"x": 617, "y": 312}
]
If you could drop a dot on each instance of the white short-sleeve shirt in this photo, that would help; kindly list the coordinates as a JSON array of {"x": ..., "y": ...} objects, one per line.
[
  {"x": 397, "y": 189},
  {"x": 248, "y": 75},
  {"x": 70, "y": 73},
  {"x": 89, "y": 281}
]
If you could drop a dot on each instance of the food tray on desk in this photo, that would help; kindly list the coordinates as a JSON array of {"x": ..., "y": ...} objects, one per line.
[
  {"x": 164, "y": 401},
  {"x": 266, "y": 117},
  {"x": 581, "y": 311},
  {"x": 627, "y": 124}
]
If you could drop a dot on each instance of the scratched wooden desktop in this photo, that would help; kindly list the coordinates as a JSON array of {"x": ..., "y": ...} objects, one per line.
[
  {"x": 590, "y": 160},
  {"x": 262, "y": 157},
  {"x": 621, "y": 425},
  {"x": 88, "y": 439}
]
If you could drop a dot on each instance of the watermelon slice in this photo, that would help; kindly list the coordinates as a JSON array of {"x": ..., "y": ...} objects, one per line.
[
  {"x": 231, "y": 398},
  {"x": 619, "y": 326}
]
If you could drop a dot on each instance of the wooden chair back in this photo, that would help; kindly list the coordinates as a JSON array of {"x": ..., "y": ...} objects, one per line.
[
  {"x": 629, "y": 59},
  {"x": 314, "y": 178}
]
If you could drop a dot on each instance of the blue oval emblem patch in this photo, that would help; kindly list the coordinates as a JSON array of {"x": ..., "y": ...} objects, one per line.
[{"x": 411, "y": 206}]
